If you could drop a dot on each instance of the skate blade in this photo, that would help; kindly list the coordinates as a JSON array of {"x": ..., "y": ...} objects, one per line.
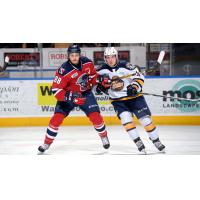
[
  {"x": 143, "y": 151},
  {"x": 40, "y": 153},
  {"x": 163, "y": 151}
]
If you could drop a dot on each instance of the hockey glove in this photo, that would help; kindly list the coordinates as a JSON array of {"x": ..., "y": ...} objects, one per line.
[
  {"x": 74, "y": 97},
  {"x": 92, "y": 79},
  {"x": 131, "y": 90},
  {"x": 100, "y": 89},
  {"x": 104, "y": 80}
]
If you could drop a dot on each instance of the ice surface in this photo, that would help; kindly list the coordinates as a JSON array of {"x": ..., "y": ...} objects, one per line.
[{"x": 83, "y": 140}]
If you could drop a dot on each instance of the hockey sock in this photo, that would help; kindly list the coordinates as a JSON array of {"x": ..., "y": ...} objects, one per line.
[
  {"x": 152, "y": 131},
  {"x": 127, "y": 121},
  {"x": 98, "y": 123},
  {"x": 131, "y": 130},
  {"x": 52, "y": 129},
  {"x": 149, "y": 127}
]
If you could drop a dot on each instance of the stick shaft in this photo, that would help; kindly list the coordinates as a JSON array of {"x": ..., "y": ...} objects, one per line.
[
  {"x": 6, "y": 62},
  {"x": 159, "y": 61},
  {"x": 170, "y": 97}
]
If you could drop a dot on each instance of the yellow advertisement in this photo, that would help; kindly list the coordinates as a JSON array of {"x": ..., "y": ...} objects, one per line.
[{"x": 45, "y": 95}]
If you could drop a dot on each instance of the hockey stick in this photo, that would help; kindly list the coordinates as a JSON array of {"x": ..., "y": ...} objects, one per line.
[
  {"x": 156, "y": 65},
  {"x": 6, "y": 62},
  {"x": 170, "y": 97},
  {"x": 158, "y": 62}
]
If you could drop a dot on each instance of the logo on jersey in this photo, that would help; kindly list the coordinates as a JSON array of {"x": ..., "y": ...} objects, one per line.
[
  {"x": 82, "y": 81},
  {"x": 74, "y": 75},
  {"x": 61, "y": 70}
]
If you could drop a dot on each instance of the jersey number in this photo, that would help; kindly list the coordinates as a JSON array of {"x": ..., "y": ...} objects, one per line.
[{"x": 57, "y": 80}]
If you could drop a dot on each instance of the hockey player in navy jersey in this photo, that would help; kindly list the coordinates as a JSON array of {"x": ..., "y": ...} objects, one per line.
[
  {"x": 126, "y": 98},
  {"x": 72, "y": 87}
]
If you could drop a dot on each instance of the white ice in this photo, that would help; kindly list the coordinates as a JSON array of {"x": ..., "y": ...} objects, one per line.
[{"x": 83, "y": 140}]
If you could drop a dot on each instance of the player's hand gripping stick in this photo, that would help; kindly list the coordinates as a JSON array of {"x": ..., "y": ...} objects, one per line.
[
  {"x": 131, "y": 90},
  {"x": 75, "y": 97}
]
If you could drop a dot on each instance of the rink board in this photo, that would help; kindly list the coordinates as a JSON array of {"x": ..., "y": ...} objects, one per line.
[
  {"x": 31, "y": 103},
  {"x": 72, "y": 121}
]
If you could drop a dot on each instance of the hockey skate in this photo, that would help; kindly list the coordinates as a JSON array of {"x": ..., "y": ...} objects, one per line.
[
  {"x": 159, "y": 145},
  {"x": 140, "y": 145},
  {"x": 105, "y": 142},
  {"x": 43, "y": 148}
]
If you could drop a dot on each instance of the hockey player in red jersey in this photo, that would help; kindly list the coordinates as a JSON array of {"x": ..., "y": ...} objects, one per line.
[{"x": 72, "y": 87}]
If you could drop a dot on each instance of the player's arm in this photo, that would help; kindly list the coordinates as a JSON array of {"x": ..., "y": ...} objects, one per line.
[
  {"x": 59, "y": 86},
  {"x": 136, "y": 82},
  {"x": 60, "y": 92},
  {"x": 93, "y": 75},
  {"x": 99, "y": 89},
  {"x": 103, "y": 81},
  {"x": 98, "y": 79},
  {"x": 103, "y": 78}
]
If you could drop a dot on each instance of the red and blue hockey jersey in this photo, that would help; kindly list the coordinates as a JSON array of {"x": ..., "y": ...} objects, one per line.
[{"x": 74, "y": 78}]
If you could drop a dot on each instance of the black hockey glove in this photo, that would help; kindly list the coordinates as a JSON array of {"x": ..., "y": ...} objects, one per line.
[
  {"x": 131, "y": 90},
  {"x": 100, "y": 89}
]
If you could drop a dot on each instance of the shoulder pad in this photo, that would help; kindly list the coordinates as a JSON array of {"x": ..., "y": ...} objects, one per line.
[
  {"x": 103, "y": 66},
  {"x": 138, "y": 68},
  {"x": 122, "y": 63},
  {"x": 126, "y": 65},
  {"x": 64, "y": 68},
  {"x": 129, "y": 66}
]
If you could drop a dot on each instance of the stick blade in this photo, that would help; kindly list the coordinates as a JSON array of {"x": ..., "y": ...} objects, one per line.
[
  {"x": 161, "y": 57},
  {"x": 7, "y": 59}
]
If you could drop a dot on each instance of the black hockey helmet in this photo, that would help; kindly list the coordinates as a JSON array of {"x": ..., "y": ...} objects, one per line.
[{"x": 74, "y": 49}]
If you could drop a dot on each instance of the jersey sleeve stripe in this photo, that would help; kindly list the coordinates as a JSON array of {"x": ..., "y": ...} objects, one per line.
[
  {"x": 139, "y": 79},
  {"x": 58, "y": 92},
  {"x": 141, "y": 83}
]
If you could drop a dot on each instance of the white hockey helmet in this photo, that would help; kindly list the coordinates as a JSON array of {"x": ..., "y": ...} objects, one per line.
[{"x": 110, "y": 51}]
